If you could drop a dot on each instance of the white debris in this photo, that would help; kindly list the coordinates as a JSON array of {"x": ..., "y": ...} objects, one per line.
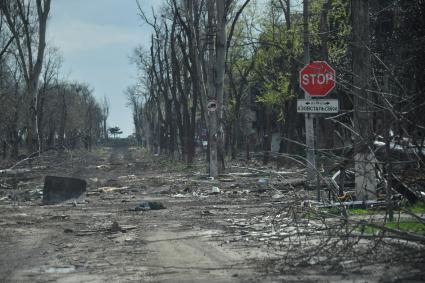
[{"x": 215, "y": 190}]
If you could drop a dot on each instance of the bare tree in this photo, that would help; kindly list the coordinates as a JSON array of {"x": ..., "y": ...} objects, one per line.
[
  {"x": 363, "y": 134},
  {"x": 49, "y": 81},
  {"x": 19, "y": 18},
  {"x": 105, "y": 113}
]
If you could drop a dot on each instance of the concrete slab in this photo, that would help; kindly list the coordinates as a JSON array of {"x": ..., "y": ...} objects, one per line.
[{"x": 60, "y": 189}]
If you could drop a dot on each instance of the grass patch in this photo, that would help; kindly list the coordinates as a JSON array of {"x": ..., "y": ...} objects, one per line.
[
  {"x": 354, "y": 211},
  {"x": 418, "y": 208},
  {"x": 360, "y": 211},
  {"x": 407, "y": 225}
]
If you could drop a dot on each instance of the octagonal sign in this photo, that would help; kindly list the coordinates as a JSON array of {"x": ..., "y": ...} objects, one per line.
[{"x": 317, "y": 78}]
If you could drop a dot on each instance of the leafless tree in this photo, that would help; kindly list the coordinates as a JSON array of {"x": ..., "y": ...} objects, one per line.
[{"x": 19, "y": 17}]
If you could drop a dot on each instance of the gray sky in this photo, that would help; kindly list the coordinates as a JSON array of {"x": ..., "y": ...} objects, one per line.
[{"x": 95, "y": 38}]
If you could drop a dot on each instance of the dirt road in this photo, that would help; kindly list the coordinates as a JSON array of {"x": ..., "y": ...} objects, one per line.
[
  {"x": 210, "y": 231},
  {"x": 75, "y": 243}
]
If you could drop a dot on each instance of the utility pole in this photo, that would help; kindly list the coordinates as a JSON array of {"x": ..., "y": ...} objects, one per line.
[{"x": 309, "y": 120}]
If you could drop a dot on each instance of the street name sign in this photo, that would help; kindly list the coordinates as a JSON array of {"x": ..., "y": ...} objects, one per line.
[
  {"x": 317, "y": 106},
  {"x": 317, "y": 79}
]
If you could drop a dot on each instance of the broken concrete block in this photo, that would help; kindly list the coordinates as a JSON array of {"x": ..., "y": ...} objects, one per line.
[
  {"x": 215, "y": 190},
  {"x": 59, "y": 189}
]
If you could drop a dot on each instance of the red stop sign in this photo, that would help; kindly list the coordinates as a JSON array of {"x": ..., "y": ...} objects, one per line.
[{"x": 317, "y": 78}]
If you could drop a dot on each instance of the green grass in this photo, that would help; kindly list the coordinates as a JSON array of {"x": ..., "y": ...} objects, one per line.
[
  {"x": 413, "y": 226},
  {"x": 407, "y": 225},
  {"x": 360, "y": 211},
  {"x": 354, "y": 211},
  {"x": 418, "y": 208}
]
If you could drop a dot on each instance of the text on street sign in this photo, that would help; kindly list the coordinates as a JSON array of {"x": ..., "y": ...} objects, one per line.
[{"x": 317, "y": 106}]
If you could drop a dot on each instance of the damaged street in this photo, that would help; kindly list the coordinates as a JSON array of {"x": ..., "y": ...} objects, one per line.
[
  {"x": 212, "y": 141},
  {"x": 147, "y": 219}
]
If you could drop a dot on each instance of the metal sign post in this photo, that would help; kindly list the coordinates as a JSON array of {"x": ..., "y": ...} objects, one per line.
[
  {"x": 309, "y": 122},
  {"x": 310, "y": 143},
  {"x": 316, "y": 79}
]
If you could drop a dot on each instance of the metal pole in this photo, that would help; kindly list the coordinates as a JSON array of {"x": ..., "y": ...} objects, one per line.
[{"x": 309, "y": 120}]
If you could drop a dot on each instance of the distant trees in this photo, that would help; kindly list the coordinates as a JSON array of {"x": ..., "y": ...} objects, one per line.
[
  {"x": 104, "y": 107},
  {"x": 27, "y": 25},
  {"x": 379, "y": 78},
  {"x": 135, "y": 104},
  {"x": 37, "y": 109},
  {"x": 115, "y": 131},
  {"x": 182, "y": 71}
]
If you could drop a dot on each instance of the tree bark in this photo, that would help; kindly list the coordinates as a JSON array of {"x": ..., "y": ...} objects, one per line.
[
  {"x": 365, "y": 178},
  {"x": 212, "y": 93}
]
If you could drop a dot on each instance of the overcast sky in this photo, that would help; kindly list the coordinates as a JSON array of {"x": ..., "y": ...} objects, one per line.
[{"x": 96, "y": 38}]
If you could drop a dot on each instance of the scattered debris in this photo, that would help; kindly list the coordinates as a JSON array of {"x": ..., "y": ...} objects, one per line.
[
  {"x": 199, "y": 195},
  {"x": 263, "y": 182},
  {"x": 258, "y": 212},
  {"x": 57, "y": 269},
  {"x": 149, "y": 205},
  {"x": 206, "y": 213},
  {"x": 347, "y": 196},
  {"x": 410, "y": 194},
  {"x": 143, "y": 206},
  {"x": 94, "y": 180},
  {"x": 353, "y": 204},
  {"x": 95, "y": 193},
  {"x": 24, "y": 195},
  {"x": 215, "y": 190},
  {"x": 129, "y": 177},
  {"x": 115, "y": 227},
  {"x": 244, "y": 174},
  {"x": 6, "y": 186},
  {"x": 111, "y": 189},
  {"x": 103, "y": 167},
  {"x": 181, "y": 196},
  {"x": 278, "y": 195},
  {"x": 262, "y": 172},
  {"x": 60, "y": 217},
  {"x": 13, "y": 172}
]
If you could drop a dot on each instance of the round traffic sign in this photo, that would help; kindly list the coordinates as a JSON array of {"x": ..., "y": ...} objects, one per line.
[
  {"x": 212, "y": 106},
  {"x": 317, "y": 78}
]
